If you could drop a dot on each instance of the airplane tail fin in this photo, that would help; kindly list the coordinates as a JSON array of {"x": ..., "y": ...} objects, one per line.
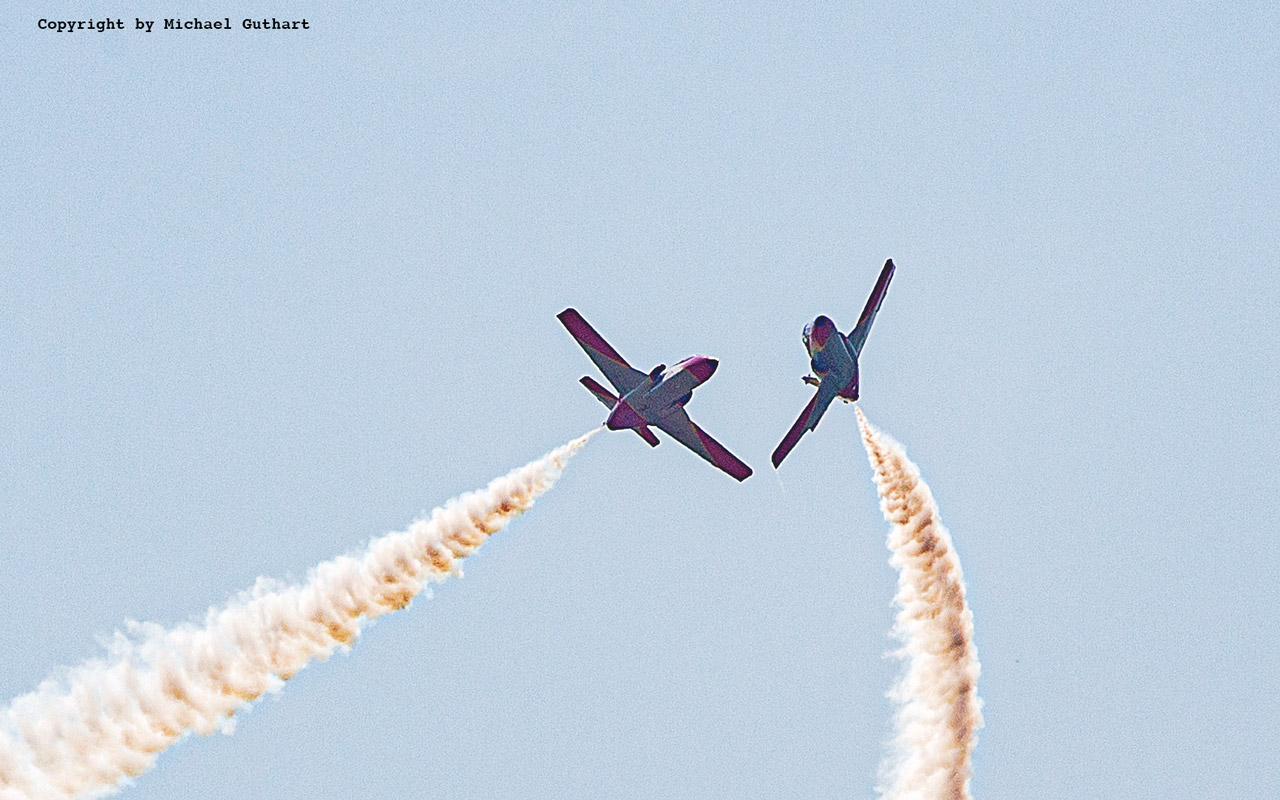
[
  {"x": 858, "y": 336},
  {"x": 604, "y": 396}
]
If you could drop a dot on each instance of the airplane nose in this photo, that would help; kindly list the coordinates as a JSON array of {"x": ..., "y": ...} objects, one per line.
[
  {"x": 703, "y": 368},
  {"x": 821, "y": 331}
]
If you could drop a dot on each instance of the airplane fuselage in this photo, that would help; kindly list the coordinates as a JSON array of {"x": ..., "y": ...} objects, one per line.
[
  {"x": 830, "y": 354},
  {"x": 662, "y": 391}
]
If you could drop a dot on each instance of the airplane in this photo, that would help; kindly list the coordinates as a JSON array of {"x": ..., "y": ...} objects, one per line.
[
  {"x": 656, "y": 399},
  {"x": 834, "y": 358}
]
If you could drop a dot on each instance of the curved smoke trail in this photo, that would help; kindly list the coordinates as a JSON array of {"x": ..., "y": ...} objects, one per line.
[
  {"x": 939, "y": 711},
  {"x": 110, "y": 719}
]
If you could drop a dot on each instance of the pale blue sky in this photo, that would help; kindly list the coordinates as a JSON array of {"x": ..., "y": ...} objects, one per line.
[{"x": 264, "y": 296}]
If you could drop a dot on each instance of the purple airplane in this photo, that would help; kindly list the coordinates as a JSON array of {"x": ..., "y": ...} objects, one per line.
[
  {"x": 655, "y": 399},
  {"x": 834, "y": 357}
]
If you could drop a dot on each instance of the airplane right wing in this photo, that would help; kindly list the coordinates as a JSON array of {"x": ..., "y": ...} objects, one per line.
[
  {"x": 678, "y": 426},
  {"x": 808, "y": 419},
  {"x": 622, "y": 375},
  {"x": 858, "y": 336}
]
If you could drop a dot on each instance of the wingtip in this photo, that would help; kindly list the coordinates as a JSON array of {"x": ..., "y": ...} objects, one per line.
[
  {"x": 778, "y": 456},
  {"x": 736, "y": 468}
]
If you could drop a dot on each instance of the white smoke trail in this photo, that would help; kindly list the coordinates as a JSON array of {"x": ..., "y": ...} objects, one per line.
[
  {"x": 939, "y": 712},
  {"x": 108, "y": 720}
]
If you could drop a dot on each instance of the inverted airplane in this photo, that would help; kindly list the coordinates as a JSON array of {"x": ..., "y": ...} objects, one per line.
[
  {"x": 834, "y": 358},
  {"x": 656, "y": 399}
]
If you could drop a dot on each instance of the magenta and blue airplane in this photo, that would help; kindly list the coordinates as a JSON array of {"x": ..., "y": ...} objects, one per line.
[
  {"x": 656, "y": 399},
  {"x": 834, "y": 358}
]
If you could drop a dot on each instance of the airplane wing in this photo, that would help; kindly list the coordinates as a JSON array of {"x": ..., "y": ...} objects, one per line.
[
  {"x": 858, "y": 335},
  {"x": 808, "y": 419},
  {"x": 678, "y": 426},
  {"x": 622, "y": 375}
]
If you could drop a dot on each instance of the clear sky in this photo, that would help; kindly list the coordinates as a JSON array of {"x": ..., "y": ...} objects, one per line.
[{"x": 266, "y": 295}]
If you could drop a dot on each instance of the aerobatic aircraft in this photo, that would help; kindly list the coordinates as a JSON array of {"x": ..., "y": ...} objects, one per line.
[
  {"x": 834, "y": 358},
  {"x": 656, "y": 399}
]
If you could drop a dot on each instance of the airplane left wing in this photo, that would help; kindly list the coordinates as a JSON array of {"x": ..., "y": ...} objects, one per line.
[
  {"x": 622, "y": 375},
  {"x": 858, "y": 336},
  {"x": 678, "y": 426},
  {"x": 808, "y": 419}
]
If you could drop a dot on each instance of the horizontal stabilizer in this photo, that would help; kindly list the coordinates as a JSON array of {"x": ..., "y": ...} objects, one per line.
[
  {"x": 602, "y": 394},
  {"x": 647, "y": 435}
]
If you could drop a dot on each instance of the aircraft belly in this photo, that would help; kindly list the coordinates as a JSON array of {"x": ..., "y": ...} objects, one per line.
[
  {"x": 850, "y": 390},
  {"x": 664, "y": 396},
  {"x": 834, "y": 361},
  {"x": 842, "y": 372}
]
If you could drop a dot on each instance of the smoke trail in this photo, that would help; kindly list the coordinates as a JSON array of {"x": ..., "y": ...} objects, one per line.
[
  {"x": 939, "y": 711},
  {"x": 109, "y": 719}
]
